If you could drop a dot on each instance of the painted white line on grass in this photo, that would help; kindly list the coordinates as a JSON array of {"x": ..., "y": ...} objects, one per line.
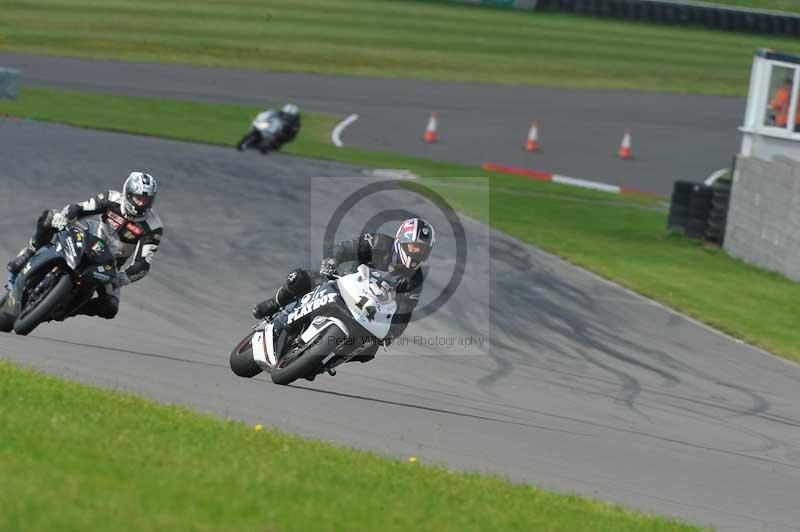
[
  {"x": 337, "y": 131},
  {"x": 574, "y": 181}
]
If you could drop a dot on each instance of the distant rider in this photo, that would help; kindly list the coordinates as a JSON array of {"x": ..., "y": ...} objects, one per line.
[
  {"x": 134, "y": 232},
  {"x": 401, "y": 255},
  {"x": 289, "y": 117},
  {"x": 290, "y": 114}
]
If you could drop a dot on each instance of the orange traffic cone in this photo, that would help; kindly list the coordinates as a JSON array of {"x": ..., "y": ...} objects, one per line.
[
  {"x": 430, "y": 132},
  {"x": 625, "y": 147},
  {"x": 533, "y": 137}
]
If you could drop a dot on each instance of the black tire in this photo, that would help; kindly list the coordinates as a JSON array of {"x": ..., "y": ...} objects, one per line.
[
  {"x": 720, "y": 204},
  {"x": 246, "y": 141},
  {"x": 682, "y": 197},
  {"x": 44, "y": 309},
  {"x": 683, "y": 187},
  {"x": 309, "y": 363},
  {"x": 6, "y": 322},
  {"x": 696, "y": 229},
  {"x": 242, "y": 363}
]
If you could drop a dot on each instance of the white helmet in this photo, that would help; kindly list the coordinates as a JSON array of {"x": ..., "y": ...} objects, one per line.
[
  {"x": 290, "y": 109},
  {"x": 139, "y": 193}
]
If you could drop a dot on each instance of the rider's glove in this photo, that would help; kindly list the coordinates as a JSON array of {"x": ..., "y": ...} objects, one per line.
[
  {"x": 60, "y": 220},
  {"x": 122, "y": 280},
  {"x": 328, "y": 267}
]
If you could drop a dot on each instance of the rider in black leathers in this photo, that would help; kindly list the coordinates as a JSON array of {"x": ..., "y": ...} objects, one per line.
[
  {"x": 402, "y": 255},
  {"x": 290, "y": 114}
]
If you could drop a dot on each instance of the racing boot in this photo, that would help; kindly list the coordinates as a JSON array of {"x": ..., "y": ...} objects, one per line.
[{"x": 17, "y": 263}]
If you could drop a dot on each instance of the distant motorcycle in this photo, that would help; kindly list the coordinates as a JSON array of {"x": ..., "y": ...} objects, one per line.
[
  {"x": 265, "y": 133},
  {"x": 59, "y": 279},
  {"x": 327, "y": 327}
]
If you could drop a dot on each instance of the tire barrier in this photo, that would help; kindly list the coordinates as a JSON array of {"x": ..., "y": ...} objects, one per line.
[
  {"x": 699, "y": 210},
  {"x": 718, "y": 216},
  {"x": 679, "y": 206},
  {"x": 9, "y": 83},
  {"x": 682, "y": 13}
]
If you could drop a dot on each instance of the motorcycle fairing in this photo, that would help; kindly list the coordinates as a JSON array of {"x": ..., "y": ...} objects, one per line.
[{"x": 44, "y": 259}]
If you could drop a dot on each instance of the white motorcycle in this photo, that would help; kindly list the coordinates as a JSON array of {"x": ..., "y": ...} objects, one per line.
[
  {"x": 327, "y": 327},
  {"x": 264, "y": 133}
]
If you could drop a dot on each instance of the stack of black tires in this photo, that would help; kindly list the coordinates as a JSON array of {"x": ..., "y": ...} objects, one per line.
[
  {"x": 699, "y": 211},
  {"x": 679, "y": 206},
  {"x": 719, "y": 211}
]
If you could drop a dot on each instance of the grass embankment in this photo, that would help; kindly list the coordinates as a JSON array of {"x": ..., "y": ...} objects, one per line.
[
  {"x": 611, "y": 235},
  {"x": 391, "y": 38},
  {"x": 74, "y": 457}
]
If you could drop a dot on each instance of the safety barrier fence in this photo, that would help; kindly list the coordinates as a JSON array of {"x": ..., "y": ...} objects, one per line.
[{"x": 709, "y": 15}]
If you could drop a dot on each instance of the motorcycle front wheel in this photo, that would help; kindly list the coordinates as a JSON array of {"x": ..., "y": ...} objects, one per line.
[
  {"x": 242, "y": 362},
  {"x": 247, "y": 140},
  {"x": 30, "y": 319},
  {"x": 309, "y": 362}
]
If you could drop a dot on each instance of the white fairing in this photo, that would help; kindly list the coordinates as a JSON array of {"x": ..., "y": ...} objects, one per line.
[
  {"x": 316, "y": 328},
  {"x": 267, "y": 122},
  {"x": 264, "y": 347},
  {"x": 364, "y": 284}
]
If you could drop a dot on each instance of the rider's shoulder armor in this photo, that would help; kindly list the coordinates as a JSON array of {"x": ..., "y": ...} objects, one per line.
[{"x": 375, "y": 249}]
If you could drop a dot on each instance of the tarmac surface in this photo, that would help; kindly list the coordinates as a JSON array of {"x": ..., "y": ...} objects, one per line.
[
  {"x": 675, "y": 136},
  {"x": 580, "y": 385}
]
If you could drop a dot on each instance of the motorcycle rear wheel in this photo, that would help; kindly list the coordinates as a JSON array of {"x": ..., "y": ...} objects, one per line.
[
  {"x": 44, "y": 309},
  {"x": 242, "y": 362},
  {"x": 309, "y": 363}
]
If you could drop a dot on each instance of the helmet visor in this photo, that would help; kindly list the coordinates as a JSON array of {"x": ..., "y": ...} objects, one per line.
[
  {"x": 418, "y": 253},
  {"x": 141, "y": 202}
]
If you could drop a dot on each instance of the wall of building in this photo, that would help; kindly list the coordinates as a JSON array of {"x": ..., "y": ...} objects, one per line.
[{"x": 763, "y": 225}]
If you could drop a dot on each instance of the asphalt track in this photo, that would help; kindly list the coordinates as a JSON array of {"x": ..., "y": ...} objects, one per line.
[
  {"x": 585, "y": 387},
  {"x": 675, "y": 136}
]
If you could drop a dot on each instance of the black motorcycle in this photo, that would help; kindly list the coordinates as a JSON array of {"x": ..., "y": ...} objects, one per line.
[
  {"x": 59, "y": 279},
  {"x": 327, "y": 327}
]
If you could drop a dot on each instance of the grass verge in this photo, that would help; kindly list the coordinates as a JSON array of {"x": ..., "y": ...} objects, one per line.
[
  {"x": 391, "y": 38},
  {"x": 74, "y": 457},
  {"x": 620, "y": 237}
]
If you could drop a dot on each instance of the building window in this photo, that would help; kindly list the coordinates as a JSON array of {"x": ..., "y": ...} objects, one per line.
[{"x": 781, "y": 105}]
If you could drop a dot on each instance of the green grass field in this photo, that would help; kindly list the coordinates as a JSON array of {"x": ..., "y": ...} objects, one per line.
[
  {"x": 75, "y": 458},
  {"x": 620, "y": 237},
  {"x": 390, "y": 38}
]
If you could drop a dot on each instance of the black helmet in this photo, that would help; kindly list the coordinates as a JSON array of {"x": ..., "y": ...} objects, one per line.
[{"x": 413, "y": 243}]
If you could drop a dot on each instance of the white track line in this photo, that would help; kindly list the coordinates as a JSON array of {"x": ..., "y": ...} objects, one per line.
[
  {"x": 340, "y": 127},
  {"x": 574, "y": 181}
]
